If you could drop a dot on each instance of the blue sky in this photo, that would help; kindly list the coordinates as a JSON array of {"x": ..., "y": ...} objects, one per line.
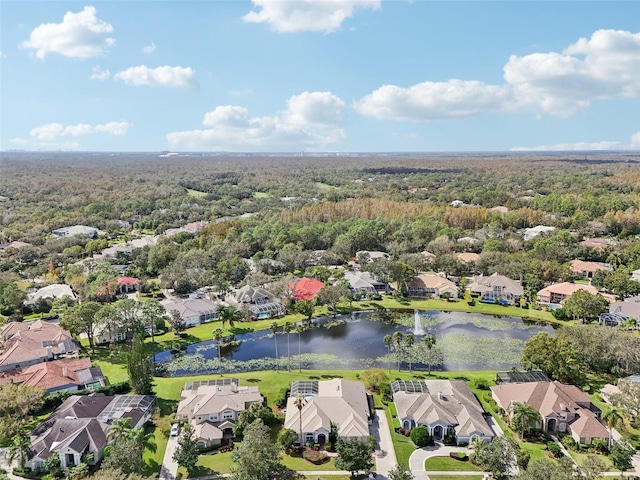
[{"x": 312, "y": 75}]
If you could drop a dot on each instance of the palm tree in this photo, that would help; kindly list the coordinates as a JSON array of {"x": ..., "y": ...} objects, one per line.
[
  {"x": 144, "y": 440},
  {"x": 217, "y": 336},
  {"x": 524, "y": 417},
  {"x": 387, "y": 343},
  {"x": 299, "y": 330},
  {"x": 233, "y": 315},
  {"x": 274, "y": 329},
  {"x": 397, "y": 340},
  {"x": 221, "y": 312},
  {"x": 300, "y": 402},
  {"x": 119, "y": 428},
  {"x": 614, "y": 419},
  {"x": 409, "y": 340},
  {"x": 287, "y": 328},
  {"x": 429, "y": 342},
  {"x": 19, "y": 449}
]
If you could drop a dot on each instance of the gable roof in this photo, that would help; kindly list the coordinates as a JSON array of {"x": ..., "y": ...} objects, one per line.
[
  {"x": 579, "y": 266},
  {"x": 566, "y": 288},
  {"x": 76, "y": 434},
  {"x": 343, "y": 402},
  {"x": 467, "y": 257},
  {"x": 447, "y": 401},
  {"x": 252, "y": 295},
  {"x": 208, "y": 399},
  {"x": 546, "y": 397},
  {"x": 55, "y": 290},
  {"x": 191, "y": 307},
  {"x": 431, "y": 281},
  {"x": 56, "y": 374},
  {"x": 481, "y": 283}
]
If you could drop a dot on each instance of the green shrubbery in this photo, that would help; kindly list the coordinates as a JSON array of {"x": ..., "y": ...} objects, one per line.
[{"x": 420, "y": 436}]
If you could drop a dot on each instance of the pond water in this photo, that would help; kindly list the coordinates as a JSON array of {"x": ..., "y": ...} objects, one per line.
[{"x": 464, "y": 341}]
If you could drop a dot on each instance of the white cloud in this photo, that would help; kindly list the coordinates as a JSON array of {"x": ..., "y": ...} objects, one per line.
[
  {"x": 80, "y": 35},
  {"x": 176, "y": 77},
  {"x": 149, "y": 49},
  {"x": 635, "y": 140},
  {"x": 634, "y": 143},
  {"x": 606, "y": 66},
  {"x": 2, "y": 55},
  {"x": 306, "y": 15},
  {"x": 53, "y": 131},
  {"x": 99, "y": 74},
  {"x": 310, "y": 121},
  {"x": 433, "y": 100}
]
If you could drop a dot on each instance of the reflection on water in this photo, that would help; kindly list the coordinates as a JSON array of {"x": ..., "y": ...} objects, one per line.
[{"x": 468, "y": 341}]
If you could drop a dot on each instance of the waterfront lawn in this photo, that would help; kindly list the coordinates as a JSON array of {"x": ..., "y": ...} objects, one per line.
[{"x": 448, "y": 464}]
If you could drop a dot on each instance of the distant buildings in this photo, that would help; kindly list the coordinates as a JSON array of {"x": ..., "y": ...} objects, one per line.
[
  {"x": 557, "y": 294},
  {"x": 193, "y": 310},
  {"x": 260, "y": 302},
  {"x": 51, "y": 292},
  {"x": 496, "y": 288},
  {"x": 77, "y": 230},
  {"x": 588, "y": 269},
  {"x": 531, "y": 233},
  {"x": 424, "y": 285}
]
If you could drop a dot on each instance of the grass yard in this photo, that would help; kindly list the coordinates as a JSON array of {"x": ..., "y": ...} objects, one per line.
[
  {"x": 196, "y": 193},
  {"x": 448, "y": 464},
  {"x": 261, "y": 195}
]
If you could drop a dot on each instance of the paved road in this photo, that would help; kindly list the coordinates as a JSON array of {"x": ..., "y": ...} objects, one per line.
[
  {"x": 385, "y": 455},
  {"x": 169, "y": 468},
  {"x": 418, "y": 458}
]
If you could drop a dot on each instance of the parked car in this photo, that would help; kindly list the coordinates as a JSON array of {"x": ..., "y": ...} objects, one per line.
[{"x": 175, "y": 429}]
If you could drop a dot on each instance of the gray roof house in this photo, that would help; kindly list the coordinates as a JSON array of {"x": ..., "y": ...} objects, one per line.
[
  {"x": 441, "y": 406},
  {"x": 364, "y": 282},
  {"x": 212, "y": 407},
  {"x": 496, "y": 287},
  {"x": 341, "y": 402},
  {"x": 193, "y": 310},
  {"x": 79, "y": 426},
  {"x": 77, "y": 230},
  {"x": 261, "y": 302},
  {"x": 620, "y": 312}
]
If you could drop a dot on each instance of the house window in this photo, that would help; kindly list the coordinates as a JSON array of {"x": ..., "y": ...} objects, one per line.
[{"x": 228, "y": 415}]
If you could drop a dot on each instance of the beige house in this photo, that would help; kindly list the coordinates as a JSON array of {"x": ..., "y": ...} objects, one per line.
[
  {"x": 467, "y": 257},
  {"x": 559, "y": 293},
  {"x": 423, "y": 285},
  {"x": 563, "y": 408},
  {"x": 496, "y": 287},
  {"x": 442, "y": 406},
  {"x": 27, "y": 343},
  {"x": 212, "y": 407},
  {"x": 342, "y": 402},
  {"x": 588, "y": 269}
]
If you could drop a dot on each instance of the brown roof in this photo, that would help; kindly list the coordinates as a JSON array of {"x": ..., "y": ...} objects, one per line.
[
  {"x": 27, "y": 342},
  {"x": 467, "y": 257},
  {"x": 567, "y": 289},
  {"x": 50, "y": 375},
  {"x": 546, "y": 397},
  {"x": 579, "y": 266},
  {"x": 586, "y": 425}
]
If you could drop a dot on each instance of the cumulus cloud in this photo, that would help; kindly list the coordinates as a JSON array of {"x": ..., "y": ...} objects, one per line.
[
  {"x": 324, "y": 16},
  {"x": 633, "y": 144},
  {"x": 311, "y": 120},
  {"x": 149, "y": 49},
  {"x": 175, "y": 77},
  {"x": 99, "y": 74},
  {"x": 606, "y": 66},
  {"x": 433, "y": 100},
  {"x": 2, "y": 55},
  {"x": 80, "y": 35},
  {"x": 53, "y": 131}
]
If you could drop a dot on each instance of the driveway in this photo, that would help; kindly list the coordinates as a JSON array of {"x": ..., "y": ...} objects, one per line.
[
  {"x": 419, "y": 457},
  {"x": 169, "y": 469},
  {"x": 385, "y": 455}
]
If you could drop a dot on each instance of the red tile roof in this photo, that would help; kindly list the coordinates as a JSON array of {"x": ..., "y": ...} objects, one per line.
[{"x": 307, "y": 288}]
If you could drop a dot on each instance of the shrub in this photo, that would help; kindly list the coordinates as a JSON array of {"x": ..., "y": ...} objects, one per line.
[
  {"x": 328, "y": 446},
  {"x": 226, "y": 448},
  {"x": 450, "y": 438},
  {"x": 315, "y": 457},
  {"x": 281, "y": 399},
  {"x": 420, "y": 436},
  {"x": 481, "y": 384},
  {"x": 554, "y": 449},
  {"x": 459, "y": 456}
]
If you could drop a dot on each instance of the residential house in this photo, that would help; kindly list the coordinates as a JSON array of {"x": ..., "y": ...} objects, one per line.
[
  {"x": 557, "y": 294},
  {"x": 51, "y": 292},
  {"x": 496, "y": 288},
  {"x": 16, "y": 244},
  {"x": 600, "y": 244},
  {"x": 127, "y": 284},
  {"x": 467, "y": 257},
  {"x": 588, "y": 269},
  {"x": 213, "y": 406},
  {"x": 193, "y": 310},
  {"x": 620, "y": 312},
  {"x": 531, "y": 233},
  {"x": 444, "y": 407},
  {"x": 344, "y": 403},
  {"x": 27, "y": 343},
  {"x": 77, "y": 230},
  {"x": 428, "y": 256},
  {"x": 79, "y": 427},
  {"x": 424, "y": 285},
  {"x": 368, "y": 256},
  {"x": 306, "y": 288},
  {"x": 260, "y": 302},
  {"x": 563, "y": 408},
  {"x": 364, "y": 282},
  {"x": 68, "y": 374}
]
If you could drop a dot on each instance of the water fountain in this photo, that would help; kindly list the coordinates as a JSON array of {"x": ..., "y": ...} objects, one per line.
[{"x": 418, "y": 329}]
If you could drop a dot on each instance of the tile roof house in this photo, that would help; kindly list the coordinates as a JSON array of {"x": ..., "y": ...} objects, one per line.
[
  {"x": 467, "y": 257},
  {"x": 587, "y": 269},
  {"x": 212, "y": 407},
  {"x": 558, "y": 293},
  {"x": 341, "y": 402},
  {"x": 193, "y": 310},
  {"x": 127, "y": 284},
  {"x": 422, "y": 285},
  {"x": 563, "y": 408},
  {"x": 79, "y": 426},
  {"x": 261, "y": 302},
  {"x": 496, "y": 287},
  {"x": 28, "y": 343},
  {"x": 599, "y": 243},
  {"x": 364, "y": 282},
  {"x": 307, "y": 288},
  {"x": 69, "y": 374},
  {"x": 441, "y": 406}
]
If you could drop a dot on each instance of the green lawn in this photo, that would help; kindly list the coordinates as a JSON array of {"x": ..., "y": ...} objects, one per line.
[
  {"x": 448, "y": 464},
  {"x": 195, "y": 193},
  {"x": 261, "y": 195}
]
